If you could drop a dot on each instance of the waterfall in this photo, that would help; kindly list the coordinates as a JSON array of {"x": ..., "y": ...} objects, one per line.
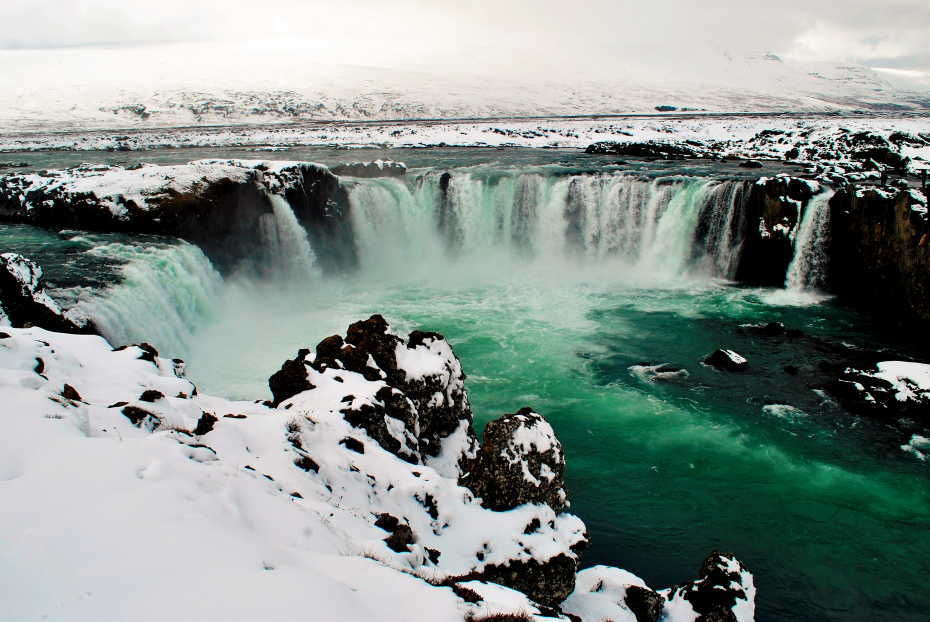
[
  {"x": 166, "y": 291},
  {"x": 666, "y": 227},
  {"x": 285, "y": 243},
  {"x": 808, "y": 268}
]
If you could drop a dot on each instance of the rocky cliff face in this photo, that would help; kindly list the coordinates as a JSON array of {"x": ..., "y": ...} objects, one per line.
[
  {"x": 880, "y": 239},
  {"x": 218, "y": 205},
  {"x": 24, "y": 301},
  {"x": 773, "y": 211}
]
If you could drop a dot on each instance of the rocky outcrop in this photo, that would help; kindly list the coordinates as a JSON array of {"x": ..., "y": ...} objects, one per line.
[
  {"x": 219, "y": 205},
  {"x": 723, "y": 592},
  {"x": 25, "y": 302},
  {"x": 880, "y": 237},
  {"x": 368, "y": 170},
  {"x": 520, "y": 461},
  {"x": 727, "y": 360},
  {"x": 773, "y": 210},
  {"x": 414, "y": 384},
  {"x": 890, "y": 390},
  {"x": 670, "y": 151},
  {"x": 408, "y": 396}
]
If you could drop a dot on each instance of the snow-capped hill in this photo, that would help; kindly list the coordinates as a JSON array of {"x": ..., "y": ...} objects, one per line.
[{"x": 295, "y": 89}]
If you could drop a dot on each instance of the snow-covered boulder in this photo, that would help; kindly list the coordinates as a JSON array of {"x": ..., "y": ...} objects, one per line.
[
  {"x": 520, "y": 461},
  {"x": 407, "y": 394},
  {"x": 889, "y": 389},
  {"x": 24, "y": 300},
  {"x": 723, "y": 592}
]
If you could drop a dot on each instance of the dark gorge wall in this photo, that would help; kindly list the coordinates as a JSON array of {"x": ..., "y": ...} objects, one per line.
[{"x": 880, "y": 251}]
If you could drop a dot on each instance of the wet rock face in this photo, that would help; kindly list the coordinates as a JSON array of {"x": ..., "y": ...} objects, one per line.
[
  {"x": 862, "y": 392},
  {"x": 727, "y": 360},
  {"x": 772, "y": 211},
  {"x": 880, "y": 237},
  {"x": 520, "y": 461},
  {"x": 24, "y": 301},
  {"x": 722, "y": 586},
  {"x": 219, "y": 205},
  {"x": 378, "y": 168},
  {"x": 321, "y": 204}
]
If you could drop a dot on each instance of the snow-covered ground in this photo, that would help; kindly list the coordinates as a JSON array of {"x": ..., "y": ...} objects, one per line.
[
  {"x": 813, "y": 139},
  {"x": 129, "y": 495}
]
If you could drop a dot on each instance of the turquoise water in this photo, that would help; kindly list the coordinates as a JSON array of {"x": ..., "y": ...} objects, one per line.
[{"x": 825, "y": 508}]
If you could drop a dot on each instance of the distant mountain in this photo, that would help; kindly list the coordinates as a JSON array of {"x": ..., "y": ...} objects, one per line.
[{"x": 265, "y": 92}]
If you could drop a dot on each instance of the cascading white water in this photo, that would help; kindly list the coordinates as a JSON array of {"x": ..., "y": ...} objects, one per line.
[
  {"x": 808, "y": 268},
  {"x": 285, "y": 243},
  {"x": 166, "y": 292},
  {"x": 662, "y": 228}
]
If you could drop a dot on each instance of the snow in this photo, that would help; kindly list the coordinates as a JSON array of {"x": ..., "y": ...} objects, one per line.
[
  {"x": 28, "y": 274},
  {"x": 214, "y": 519},
  {"x": 910, "y": 380},
  {"x": 733, "y": 356},
  {"x": 108, "y": 520},
  {"x": 600, "y": 592}
]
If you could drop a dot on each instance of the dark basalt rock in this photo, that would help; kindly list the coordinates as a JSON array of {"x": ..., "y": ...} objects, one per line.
[
  {"x": 70, "y": 393},
  {"x": 880, "y": 237},
  {"x": 205, "y": 424},
  {"x": 401, "y": 535},
  {"x": 410, "y": 400},
  {"x": 750, "y": 164},
  {"x": 498, "y": 475},
  {"x": 860, "y": 392},
  {"x": 26, "y": 303},
  {"x": 547, "y": 583},
  {"x": 386, "y": 168},
  {"x": 290, "y": 380},
  {"x": 447, "y": 220},
  {"x": 371, "y": 418},
  {"x": 727, "y": 360},
  {"x": 645, "y": 604},
  {"x": 771, "y": 214},
  {"x": 151, "y": 395},
  {"x": 716, "y": 590},
  {"x": 353, "y": 444},
  {"x": 642, "y": 149},
  {"x": 141, "y": 417}
]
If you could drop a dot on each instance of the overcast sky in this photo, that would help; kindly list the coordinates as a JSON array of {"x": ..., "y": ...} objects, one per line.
[{"x": 570, "y": 34}]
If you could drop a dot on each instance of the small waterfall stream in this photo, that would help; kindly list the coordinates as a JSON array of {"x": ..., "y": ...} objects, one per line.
[
  {"x": 808, "y": 268},
  {"x": 285, "y": 242}
]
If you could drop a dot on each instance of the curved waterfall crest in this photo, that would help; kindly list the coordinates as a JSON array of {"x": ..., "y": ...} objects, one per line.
[{"x": 671, "y": 226}]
